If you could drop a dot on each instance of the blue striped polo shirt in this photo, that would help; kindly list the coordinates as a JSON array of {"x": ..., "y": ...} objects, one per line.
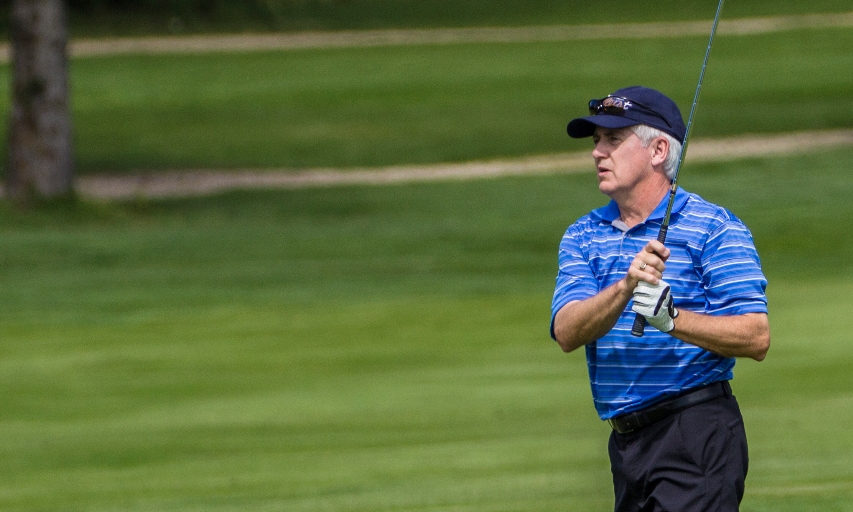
[{"x": 713, "y": 269}]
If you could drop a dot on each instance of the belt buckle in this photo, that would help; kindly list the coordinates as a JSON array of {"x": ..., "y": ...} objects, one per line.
[{"x": 624, "y": 425}]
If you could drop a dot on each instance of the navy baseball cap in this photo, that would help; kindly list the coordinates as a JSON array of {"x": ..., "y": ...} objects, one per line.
[{"x": 630, "y": 106}]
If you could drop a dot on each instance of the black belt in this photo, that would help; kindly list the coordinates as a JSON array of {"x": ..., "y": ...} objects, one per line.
[{"x": 636, "y": 420}]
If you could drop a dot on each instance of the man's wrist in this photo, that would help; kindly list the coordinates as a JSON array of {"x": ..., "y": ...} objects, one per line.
[
  {"x": 675, "y": 314},
  {"x": 626, "y": 291}
]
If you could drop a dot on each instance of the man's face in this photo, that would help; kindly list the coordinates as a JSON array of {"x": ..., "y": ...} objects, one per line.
[{"x": 621, "y": 160}]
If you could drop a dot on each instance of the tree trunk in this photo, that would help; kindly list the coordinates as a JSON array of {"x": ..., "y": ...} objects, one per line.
[{"x": 40, "y": 147}]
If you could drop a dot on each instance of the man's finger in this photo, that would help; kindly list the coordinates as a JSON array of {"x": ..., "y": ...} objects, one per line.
[{"x": 658, "y": 249}]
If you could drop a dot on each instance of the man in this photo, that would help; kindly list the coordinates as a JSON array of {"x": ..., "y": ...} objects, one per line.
[{"x": 678, "y": 442}]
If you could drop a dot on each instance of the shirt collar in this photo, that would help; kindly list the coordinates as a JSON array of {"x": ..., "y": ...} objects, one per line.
[{"x": 610, "y": 211}]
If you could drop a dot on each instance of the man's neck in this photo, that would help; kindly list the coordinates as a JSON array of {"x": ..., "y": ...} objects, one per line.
[{"x": 643, "y": 200}]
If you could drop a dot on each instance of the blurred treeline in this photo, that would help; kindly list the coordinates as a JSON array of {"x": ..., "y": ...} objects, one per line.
[
  {"x": 94, "y": 18},
  {"x": 130, "y": 17}
]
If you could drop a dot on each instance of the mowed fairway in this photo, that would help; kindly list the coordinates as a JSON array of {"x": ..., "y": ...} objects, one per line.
[{"x": 379, "y": 348}]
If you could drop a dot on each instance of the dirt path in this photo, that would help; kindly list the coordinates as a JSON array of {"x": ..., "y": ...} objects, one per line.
[
  {"x": 369, "y": 38},
  {"x": 202, "y": 182}
]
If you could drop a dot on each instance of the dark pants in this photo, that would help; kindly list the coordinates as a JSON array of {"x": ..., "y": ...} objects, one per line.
[{"x": 694, "y": 460}]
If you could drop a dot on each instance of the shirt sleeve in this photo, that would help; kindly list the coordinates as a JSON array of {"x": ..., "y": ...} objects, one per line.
[
  {"x": 575, "y": 278},
  {"x": 732, "y": 276}
]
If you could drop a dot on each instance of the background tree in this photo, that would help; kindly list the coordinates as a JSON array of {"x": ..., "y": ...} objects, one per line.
[{"x": 40, "y": 146}]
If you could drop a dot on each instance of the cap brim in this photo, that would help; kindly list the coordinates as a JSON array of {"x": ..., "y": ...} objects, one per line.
[{"x": 585, "y": 126}]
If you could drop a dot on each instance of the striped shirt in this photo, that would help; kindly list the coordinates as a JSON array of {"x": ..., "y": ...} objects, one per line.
[{"x": 713, "y": 269}]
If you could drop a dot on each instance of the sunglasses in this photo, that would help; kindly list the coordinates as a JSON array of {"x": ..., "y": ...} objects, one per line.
[{"x": 617, "y": 106}]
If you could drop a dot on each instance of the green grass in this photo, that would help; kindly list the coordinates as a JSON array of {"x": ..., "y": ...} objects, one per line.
[
  {"x": 379, "y": 348},
  {"x": 416, "y": 104}
]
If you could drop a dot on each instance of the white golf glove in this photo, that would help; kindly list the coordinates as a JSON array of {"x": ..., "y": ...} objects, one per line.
[{"x": 654, "y": 301}]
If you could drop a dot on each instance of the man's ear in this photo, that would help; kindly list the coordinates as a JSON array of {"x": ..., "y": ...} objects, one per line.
[{"x": 659, "y": 149}]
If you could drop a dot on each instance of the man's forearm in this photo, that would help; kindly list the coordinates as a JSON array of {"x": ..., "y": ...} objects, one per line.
[
  {"x": 729, "y": 336},
  {"x": 581, "y": 322}
]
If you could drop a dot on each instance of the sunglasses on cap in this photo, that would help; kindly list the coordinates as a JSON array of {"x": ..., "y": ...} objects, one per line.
[{"x": 618, "y": 105}]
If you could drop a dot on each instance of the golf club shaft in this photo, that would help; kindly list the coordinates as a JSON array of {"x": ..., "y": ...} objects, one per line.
[{"x": 639, "y": 320}]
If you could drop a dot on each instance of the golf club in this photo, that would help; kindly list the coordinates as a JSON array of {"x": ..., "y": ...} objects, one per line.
[{"x": 639, "y": 320}]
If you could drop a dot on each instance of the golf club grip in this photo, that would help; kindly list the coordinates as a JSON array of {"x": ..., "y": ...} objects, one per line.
[
  {"x": 662, "y": 233},
  {"x": 639, "y": 326}
]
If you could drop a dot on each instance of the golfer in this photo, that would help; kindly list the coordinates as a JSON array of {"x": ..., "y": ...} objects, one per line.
[{"x": 678, "y": 442}]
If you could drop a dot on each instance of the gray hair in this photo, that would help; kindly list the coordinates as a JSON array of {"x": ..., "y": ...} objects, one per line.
[{"x": 647, "y": 134}]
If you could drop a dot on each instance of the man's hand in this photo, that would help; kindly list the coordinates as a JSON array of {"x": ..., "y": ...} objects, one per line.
[
  {"x": 648, "y": 265},
  {"x": 654, "y": 301}
]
